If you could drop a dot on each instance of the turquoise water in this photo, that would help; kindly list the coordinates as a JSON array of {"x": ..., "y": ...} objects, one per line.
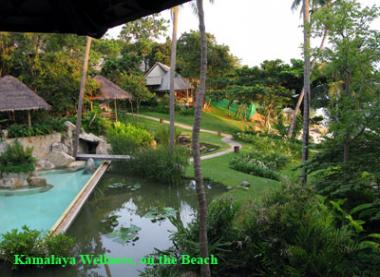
[{"x": 42, "y": 209}]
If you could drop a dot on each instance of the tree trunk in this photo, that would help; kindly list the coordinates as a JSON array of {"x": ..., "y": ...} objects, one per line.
[
  {"x": 29, "y": 119},
  {"x": 346, "y": 150},
  {"x": 300, "y": 97},
  {"x": 307, "y": 69},
  {"x": 175, "y": 11},
  {"x": 115, "y": 108},
  {"x": 81, "y": 95},
  {"x": 203, "y": 241}
]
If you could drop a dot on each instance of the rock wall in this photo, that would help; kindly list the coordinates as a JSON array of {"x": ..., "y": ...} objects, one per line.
[{"x": 41, "y": 144}]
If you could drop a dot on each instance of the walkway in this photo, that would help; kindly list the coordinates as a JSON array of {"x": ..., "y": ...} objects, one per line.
[{"x": 226, "y": 138}]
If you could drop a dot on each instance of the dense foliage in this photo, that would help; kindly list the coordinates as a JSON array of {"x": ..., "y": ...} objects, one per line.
[
  {"x": 292, "y": 233},
  {"x": 161, "y": 164},
  {"x": 33, "y": 243},
  {"x": 16, "y": 159},
  {"x": 126, "y": 138},
  {"x": 44, "y": 127},
  {"x": 254, "y": 165}
]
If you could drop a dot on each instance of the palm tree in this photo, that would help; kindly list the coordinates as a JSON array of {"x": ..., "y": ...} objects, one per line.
[
  {"x": 295, "y": 5},
  {"x": 307, "y": 70},
  {"x": 203, "y": 240},
  {"x": 175, "y": 11},
  {"x": 81, "y": 95}
]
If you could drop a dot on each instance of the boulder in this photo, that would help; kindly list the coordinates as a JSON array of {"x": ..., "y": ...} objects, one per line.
[
  {"x": 103, "y": 148},
  {"x": 91, "y": 138},
  {"x": 59, "y": 147},
  {"x": 69, "y": 126},
  {"x": 3, "y": 147},
  {"x": 44, "y": 165},
  {"x": 77, "y": 165},
  {"x": 245, "y": 184},
  {"x": 90, "y": 166},
  {"x": 36, "y": 181},
  {"x": 14, "y": 180},
  {"x": 60, "y": 159},
  {"x": 184, "y": 140}
]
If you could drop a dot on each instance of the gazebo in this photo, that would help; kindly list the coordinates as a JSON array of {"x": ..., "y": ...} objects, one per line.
[
  {"x": 109, "y": 91},
  {"x": 16, "y": 96}
]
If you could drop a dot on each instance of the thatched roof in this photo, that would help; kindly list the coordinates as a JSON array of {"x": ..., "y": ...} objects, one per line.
[
  {"x": 109, "y": 90},
  {"x": 16, "y": 96}
]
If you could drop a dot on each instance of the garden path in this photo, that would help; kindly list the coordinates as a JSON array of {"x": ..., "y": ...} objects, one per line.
[{"x": 226, "y": 138}]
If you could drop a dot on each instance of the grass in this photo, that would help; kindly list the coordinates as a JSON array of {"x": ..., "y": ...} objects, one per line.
[
  {"x": 215, "y": 119},
  {"x": 155, "y": 125},
  {"x": 218, "y": 170}
]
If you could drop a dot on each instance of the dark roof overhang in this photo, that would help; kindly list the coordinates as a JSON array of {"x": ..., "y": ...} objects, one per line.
[{"x": 81, "y": 17}]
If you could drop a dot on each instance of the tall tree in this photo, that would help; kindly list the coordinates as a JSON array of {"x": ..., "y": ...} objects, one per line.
[
  {"x": 141, "y": 34},
  {"x": 295, "y": 5},
  {"x": 81, "y": 95},
  {"x": 173, "y": 59},
  {"x": 307, "y": 71},
  {"x": 203, "y": 240}
]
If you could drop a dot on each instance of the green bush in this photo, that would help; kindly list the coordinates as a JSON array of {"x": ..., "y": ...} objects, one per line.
[
  {"x": 293, "y": 233},
  {"x": 94, "y": 122},
  {"x": 44, "y": 127},
  {"x": 254, "y": 166},
  {"x": 271, "y": 144},
  {"x": 127, "y": 138},
  {"x": 161, "y": 164},
  {"x": 162, "y": 135},
  {"x": 59, "y": 245},
  {"x": 26, "y": 242},
  {"x": 33, "y": 243},
  {"x": 290, "y": 233},
  {"x": 16, "y": 159}
]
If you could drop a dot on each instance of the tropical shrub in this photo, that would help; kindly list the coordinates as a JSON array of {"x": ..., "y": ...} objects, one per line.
[
  {"x": 357, "y": 181},
  {"x": 44, "y": 127},
  {"x": 127, "y": 138},
  {"x": 294, "y": 234},
  {"x": 253, "y": 165},
  {"x": 59, "y": 245},
  {"x": 162, "y": 164},
  {"x": 94, "y": 122},
  {"x": 33, "y": 243},
  {"x": 162, "y": 135},
  {"x": 266, "y": 143},
  {"x": 290, "y": 233},
  {"x": 16, "y": 159}
]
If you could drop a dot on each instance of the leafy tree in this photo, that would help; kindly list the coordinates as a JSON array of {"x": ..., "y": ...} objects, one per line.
[
  {"x": 219, "y": 59},
  {"x": 141, "y": 34},
  {"x": 135, "y": 84},
  {"x": 351, "y": 64}
]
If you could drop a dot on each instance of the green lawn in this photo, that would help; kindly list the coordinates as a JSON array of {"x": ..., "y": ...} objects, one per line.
[
  {"x": 216, "y": 120},
  {"x": 218, "y": 170},
  {"x": 155, "y": 125}
]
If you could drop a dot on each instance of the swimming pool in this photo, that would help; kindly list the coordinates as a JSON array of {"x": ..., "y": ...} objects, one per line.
[{"x": 41, "y": 210}]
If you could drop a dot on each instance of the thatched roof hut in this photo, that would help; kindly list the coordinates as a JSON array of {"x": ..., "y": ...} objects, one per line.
[
  {"x": 16, "y": 96},
  {"x": 109, "y": 90}
]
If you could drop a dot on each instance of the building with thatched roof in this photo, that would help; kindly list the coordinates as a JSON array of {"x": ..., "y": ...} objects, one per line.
[
  {"x": 16, "y": 96},
  {"x": 158, "y": 80},
  {"x": 109, "y": 91}
]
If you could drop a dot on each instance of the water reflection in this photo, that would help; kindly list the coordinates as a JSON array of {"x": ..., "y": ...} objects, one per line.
[{"x": 121, "y": 221}]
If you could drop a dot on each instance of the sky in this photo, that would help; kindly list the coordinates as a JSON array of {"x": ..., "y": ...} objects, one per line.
[{"x": 254, "y": 30}]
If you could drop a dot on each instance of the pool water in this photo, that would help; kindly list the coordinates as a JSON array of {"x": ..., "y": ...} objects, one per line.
[{"x": 41, "y": 210}]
